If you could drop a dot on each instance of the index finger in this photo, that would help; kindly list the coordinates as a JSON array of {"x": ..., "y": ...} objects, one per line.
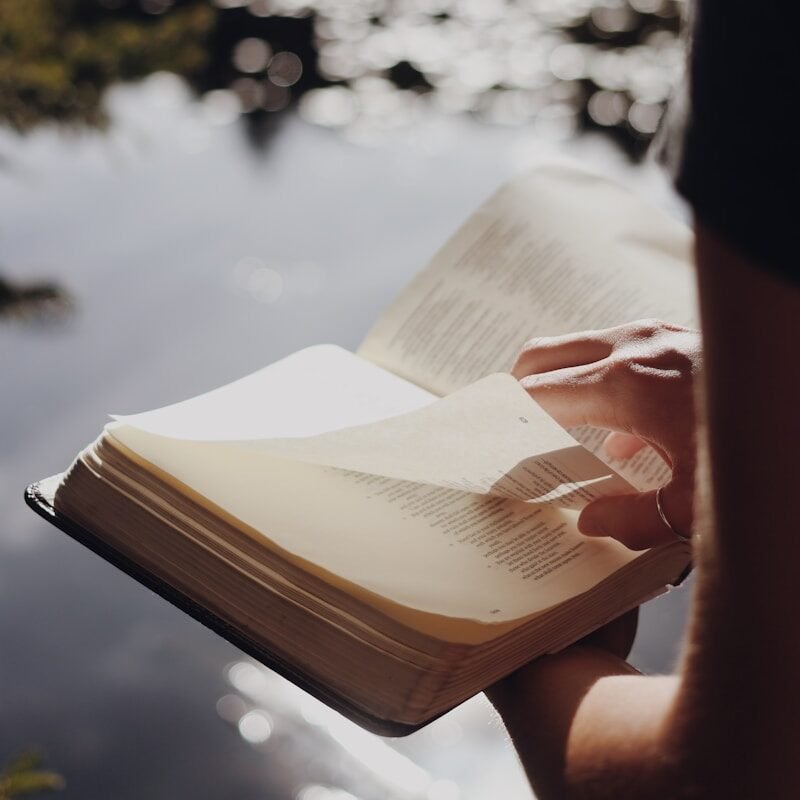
[
  {"x": 557, "y": 352},
  {"x": 575, "y": 395}
]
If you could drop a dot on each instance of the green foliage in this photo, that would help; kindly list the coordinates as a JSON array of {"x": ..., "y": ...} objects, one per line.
[
  {"x": 58, "y": 56},
  {"x": 23, "y": 776}
]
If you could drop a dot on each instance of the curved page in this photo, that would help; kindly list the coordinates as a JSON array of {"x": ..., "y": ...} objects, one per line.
[
  {"x": 428, "y": 546},
  {"x": 488, "y": 438}
]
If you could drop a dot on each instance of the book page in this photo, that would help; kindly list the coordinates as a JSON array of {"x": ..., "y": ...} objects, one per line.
[
  {"x": 488, "y": 438},
  {"x": 480, "y": 554},
  {"x": 316, "y": 390},
  {"x": 556, "y": 251},
  {"x": 437, "y": 550}
]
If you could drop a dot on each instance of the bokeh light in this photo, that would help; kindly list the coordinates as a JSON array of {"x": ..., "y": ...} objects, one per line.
[
  {"x": 251, "y": 54},
  {"x": 255, "y": 726},
  {"x": 368, "y": 67},
  {"x": 285, "y": 69}
]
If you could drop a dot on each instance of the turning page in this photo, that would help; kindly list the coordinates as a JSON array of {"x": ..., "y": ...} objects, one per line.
[
  {"x": 556, "y": 251},
  {"x": 426, "y": 542},
  {"x": 487, "y": 438}
]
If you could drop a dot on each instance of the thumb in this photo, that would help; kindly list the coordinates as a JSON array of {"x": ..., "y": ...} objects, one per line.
[{"x": 633, "y": 519}]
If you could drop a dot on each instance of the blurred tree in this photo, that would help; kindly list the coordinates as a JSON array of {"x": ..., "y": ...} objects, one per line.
[
  {"x": 23, "y": 776},
  {"x": 58, "y": 56}
]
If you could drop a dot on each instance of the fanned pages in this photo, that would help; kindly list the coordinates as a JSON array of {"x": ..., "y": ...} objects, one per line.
[
  {"x": 487, "y": 438},
  {"x": 397, "y": 506}
]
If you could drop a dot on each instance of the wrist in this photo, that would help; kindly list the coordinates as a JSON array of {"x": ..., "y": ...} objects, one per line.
[{"x": 569, "y": 671}]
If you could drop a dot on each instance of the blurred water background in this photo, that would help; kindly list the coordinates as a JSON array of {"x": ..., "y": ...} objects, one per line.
[{"x": 189, "y": 191}]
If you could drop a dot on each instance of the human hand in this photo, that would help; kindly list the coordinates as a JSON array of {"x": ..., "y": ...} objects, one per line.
[
  {"x": 615, "y": 637},
  {"x": 635, "y": 380}
]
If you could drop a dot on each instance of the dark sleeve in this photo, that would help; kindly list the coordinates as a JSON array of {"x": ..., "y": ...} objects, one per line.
[{"x": 738, "y": 165}]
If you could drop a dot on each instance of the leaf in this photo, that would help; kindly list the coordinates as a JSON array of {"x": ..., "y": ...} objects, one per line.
[{"x": 22, "y": 777}]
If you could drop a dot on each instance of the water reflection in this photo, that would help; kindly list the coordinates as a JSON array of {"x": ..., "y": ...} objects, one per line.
[
  {"x": 266, "y": 707},
  {"x": 364, "y": 66}
]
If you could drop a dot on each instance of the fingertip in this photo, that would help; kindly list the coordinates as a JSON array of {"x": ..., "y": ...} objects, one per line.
[
  {"x": 589, "y": 524},
  {"x": 529, "y": 382}
]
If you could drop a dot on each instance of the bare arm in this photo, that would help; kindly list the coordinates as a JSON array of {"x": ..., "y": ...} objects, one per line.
[
  {"x": 739, "y": 702},
  {"x": 728, "y": 726},
  {"x": 586, "y": 725}
]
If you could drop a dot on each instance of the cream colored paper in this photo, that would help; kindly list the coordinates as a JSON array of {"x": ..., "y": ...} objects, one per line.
[
  {"x": 488, "y": 438},
  {"x": 316, "y": 390},
  {"x": 556, "y": 251},
  {"x": 438, "y": 550},
  {"x": 431, "y": 547}
]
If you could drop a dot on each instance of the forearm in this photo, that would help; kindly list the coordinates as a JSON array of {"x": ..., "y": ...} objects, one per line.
[
  {"x": 740, "y": 700},
  {"x": 586, "y": 726}
]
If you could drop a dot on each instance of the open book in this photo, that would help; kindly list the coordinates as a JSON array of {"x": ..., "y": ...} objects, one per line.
[{"x": 395, "y": 529}]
